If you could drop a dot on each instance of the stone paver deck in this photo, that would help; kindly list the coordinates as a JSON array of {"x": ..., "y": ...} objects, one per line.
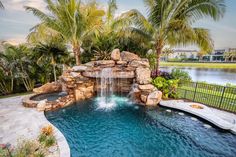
[
  {"x": 222, "y": 119},
  {"x": 18, "y": 122}
]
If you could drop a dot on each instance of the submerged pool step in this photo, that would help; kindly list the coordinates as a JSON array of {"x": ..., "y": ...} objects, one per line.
[{"x": 205, "y": 113}]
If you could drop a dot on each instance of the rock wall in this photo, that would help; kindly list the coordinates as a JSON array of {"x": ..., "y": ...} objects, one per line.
[{"x": 128, "y": 70}]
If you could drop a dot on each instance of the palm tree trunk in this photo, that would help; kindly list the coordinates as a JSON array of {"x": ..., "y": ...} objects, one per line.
[
  {"x": 54, "y": 72},
  {"x": 158, "y": 59},
  {"x": 76, "y": 51}
]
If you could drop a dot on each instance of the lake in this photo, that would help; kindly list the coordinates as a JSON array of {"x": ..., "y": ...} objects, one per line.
[{"x": 217, "y": 76}]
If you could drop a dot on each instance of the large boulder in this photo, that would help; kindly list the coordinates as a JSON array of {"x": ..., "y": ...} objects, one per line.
[
  {"x": 49, "y": 88},
  {"x": 42, "y": 105},
  {"x": 115, "y": 55},
  {"x": 140, "y": 63},
  {"x": 143, "y": 76},
  {"x": 75, "y": 74},
  {"x": 128, "y": 56},
  {"x": 79, "y": 68},
  {"x": 82, "y": 92},
  {"x": 147, "y": 88},
  {"x": 105, "y": 63},
  {"x": 154, "y": 98},
  {"x": 122, "y": 63}
]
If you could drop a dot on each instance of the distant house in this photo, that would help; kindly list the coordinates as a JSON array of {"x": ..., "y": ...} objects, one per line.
[
  {"x": 218, "y": 55},
  {"x": 181, "y": 54}
]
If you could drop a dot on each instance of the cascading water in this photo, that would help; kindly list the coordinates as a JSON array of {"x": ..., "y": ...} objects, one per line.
[
  {"x": 106, "y": 83},
  {"x": 106, "y": 90}
]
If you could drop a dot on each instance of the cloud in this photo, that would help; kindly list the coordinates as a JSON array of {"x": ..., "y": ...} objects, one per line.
[
  {"x": 18, "y": 5},
  {"x": 15, "y": 21}
]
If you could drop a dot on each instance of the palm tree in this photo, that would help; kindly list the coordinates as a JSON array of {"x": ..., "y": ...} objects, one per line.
[
  {"x": 73, "y": 20},
  {"x": 116, "y": 33},
  {"x": 230, "y": 56},
  {"x": 1, "y": 5},
  {"x": 170, "y": 22},
  {"x": 52, "y": 52},
  {"x": 15, "y": 64},
  {"x": 7, "y": 64},
  {"x": 21, "y": 64}
]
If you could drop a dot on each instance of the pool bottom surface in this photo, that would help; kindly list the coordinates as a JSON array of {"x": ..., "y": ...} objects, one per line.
[{"x": 125, "y": 129}]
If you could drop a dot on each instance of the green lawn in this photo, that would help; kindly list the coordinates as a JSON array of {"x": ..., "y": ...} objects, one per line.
[
  {"x": 202, "y": 65},
  {"x": 13, "y": 95}
]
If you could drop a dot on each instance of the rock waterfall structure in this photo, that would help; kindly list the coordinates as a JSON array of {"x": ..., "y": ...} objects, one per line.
[{"x": 125, "y": 71}]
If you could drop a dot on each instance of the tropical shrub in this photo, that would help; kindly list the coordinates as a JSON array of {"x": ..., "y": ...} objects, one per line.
[
  {"x": 46, "y": 136},
  {"x": 50, "y": 140},
  {"x": 28, "y": 148},
  {"x": 156, "y": 73},
  {"x": 168, "y": 87},
  {"x": 181, "y": 75},
  {"x": 47, "y": 130}
]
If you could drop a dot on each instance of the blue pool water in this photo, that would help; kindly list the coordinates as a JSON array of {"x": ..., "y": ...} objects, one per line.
[{"x": 127, "y": 130}]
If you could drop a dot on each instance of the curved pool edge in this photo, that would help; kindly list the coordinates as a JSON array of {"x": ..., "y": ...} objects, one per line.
[{"x": 64, "y": 149}]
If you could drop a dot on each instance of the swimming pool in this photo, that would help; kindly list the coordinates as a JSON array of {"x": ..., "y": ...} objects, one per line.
[{"x": 126, "y": 129}]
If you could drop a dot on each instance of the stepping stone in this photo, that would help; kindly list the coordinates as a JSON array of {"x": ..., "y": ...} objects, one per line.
[
  {"x": 181, "y": 113},
  {"x": 207, "y": 126},
  {"x": 194, "y": 119}
]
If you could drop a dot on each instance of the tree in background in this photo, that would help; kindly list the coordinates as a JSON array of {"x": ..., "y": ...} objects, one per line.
[
  {"x": 51, "y": 52},
  {"x": 73, "y": 20},
  {"x": 7, "y": 64},
  {"x": 230, "y": 56},
  {"x": 1, "y": 5},
  {"x": 167, "y": 52},
  {"x": 116, "y": 32},
  {"x": 170, "y": 22},
  {"x": 15, "y": 65}
]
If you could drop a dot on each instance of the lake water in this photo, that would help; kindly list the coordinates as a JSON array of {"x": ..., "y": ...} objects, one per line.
[{"x": 218, "y": 76}]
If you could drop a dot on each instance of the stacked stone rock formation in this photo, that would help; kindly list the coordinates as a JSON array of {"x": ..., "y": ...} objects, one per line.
[{"x": 129, "y": 72}]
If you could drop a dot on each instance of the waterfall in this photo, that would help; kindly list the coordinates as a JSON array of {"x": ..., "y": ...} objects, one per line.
[
  {"x": 106, "y": 83},
  {"x": 106, "y": 90}
]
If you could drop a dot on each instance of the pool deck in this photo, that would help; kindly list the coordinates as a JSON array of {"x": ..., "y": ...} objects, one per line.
[
  {"x": 18, "y": 122},
  {"x": 222, "y": 119}
]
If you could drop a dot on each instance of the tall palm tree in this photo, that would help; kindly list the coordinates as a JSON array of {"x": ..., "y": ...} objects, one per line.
[
  {"x": 116, "y": 33},
  {"x": 73, "y": 20},
  {"x": 170, "y": 22}
]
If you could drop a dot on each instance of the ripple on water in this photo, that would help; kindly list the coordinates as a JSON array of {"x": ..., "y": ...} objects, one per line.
[{"x": 130, "y": 131}]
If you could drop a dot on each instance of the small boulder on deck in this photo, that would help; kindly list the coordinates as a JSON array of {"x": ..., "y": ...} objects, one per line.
[
  {"x": 128, "y": 56},
  {"x": 49, "y": 88}
]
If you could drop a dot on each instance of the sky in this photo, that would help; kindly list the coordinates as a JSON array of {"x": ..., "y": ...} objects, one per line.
[{"x": 15, "y": 22}]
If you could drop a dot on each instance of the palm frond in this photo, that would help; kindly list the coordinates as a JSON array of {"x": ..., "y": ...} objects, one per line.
[
  {"x": 196, "y": 10},
  {"x": 1, "y": 5}
]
